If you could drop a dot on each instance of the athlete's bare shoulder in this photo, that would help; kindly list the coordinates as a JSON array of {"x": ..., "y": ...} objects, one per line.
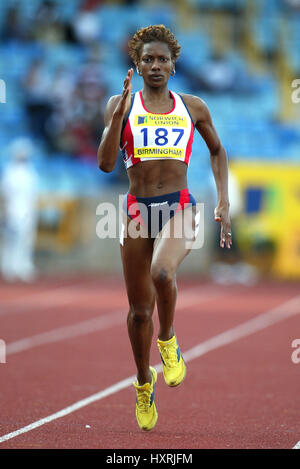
[
  {"x": 111, "y": 106},
  {"x": 112, "y": 103},
  {"x": 197, "y": 107},
  {"x": 200, "y": 114}
]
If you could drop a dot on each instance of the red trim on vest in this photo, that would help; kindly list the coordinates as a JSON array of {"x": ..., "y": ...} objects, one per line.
[
  {"x": 127, "y": 143},
  {"x": 189, "y": 146}
]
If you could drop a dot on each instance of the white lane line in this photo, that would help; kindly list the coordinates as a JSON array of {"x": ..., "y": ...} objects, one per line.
[
  {"x": 262, "y": 321},
  {"x": 50, "y": 298},
  {"x": 125, "y": 383},
  {"x": 297, "y": 445},
  {"x": 188, "y": 298},
  {"x": 66, "y": 332},
  {"x": 288, "y": 309},
  {"x": 64, "y": 295}
]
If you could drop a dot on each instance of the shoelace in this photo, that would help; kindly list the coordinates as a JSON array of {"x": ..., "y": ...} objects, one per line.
[
  {"x": 143, "y": 400},
  {"x": 169, "y": 354}
]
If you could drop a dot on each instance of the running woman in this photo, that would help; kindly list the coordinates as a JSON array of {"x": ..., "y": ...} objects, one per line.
[{"x": 154, "y": 128}]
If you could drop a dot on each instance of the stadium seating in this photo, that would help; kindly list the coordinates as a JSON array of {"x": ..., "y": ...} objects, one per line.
[{"x": 246, "y": 117}]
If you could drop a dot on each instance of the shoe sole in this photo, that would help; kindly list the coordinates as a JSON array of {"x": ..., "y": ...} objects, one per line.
[
  {"x": 153, "y": 423},
  {"x": 173, "y": 385}
]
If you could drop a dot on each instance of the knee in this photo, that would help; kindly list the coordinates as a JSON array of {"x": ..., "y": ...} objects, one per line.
[
  {"x": 140, "y": 313},
  {"x": 162, "y": 275}
]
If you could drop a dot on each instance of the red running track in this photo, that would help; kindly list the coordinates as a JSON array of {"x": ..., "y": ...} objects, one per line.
[{"x": 66, "y": 340}]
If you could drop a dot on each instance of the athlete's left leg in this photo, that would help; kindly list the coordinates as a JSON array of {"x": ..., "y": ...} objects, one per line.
[{"x": 170, "y": 248}]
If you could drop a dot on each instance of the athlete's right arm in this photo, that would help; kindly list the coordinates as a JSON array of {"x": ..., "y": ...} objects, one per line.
[{"x": 115, "y": 111}]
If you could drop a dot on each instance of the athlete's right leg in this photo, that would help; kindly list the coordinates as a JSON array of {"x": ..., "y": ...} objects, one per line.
[{"x": 136, "y": 253}]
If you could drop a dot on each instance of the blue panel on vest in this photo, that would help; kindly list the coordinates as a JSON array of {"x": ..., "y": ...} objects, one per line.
[{"x": 253, "y": 199}]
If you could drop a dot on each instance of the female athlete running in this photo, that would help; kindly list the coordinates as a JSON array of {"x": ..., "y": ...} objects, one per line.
[{"x": 154, "y": 128}]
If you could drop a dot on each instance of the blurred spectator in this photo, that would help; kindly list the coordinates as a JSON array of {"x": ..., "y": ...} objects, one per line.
[
  {"x": 19, "y": 191},
  {"x": 293, "y": 4},
  {"x": 77, "y": 120},
  {"x": 47, "y": 25},
  {"x": 14, "y": 27},
  {"x": 38, "y": 103},
  {"x": 87, "y": 26},
  {"x": 91, "y": 4},
  {"x": 61, "y": 91},
  {"x": 87, "y": 108},
  {"x": 218, "y": 74}
]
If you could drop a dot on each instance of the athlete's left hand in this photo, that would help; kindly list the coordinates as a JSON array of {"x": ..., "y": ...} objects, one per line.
[{"x": 222, "y": 216}]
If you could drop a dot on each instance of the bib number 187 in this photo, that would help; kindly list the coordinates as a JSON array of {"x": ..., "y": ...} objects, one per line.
[{"x": 162, "y": 136}]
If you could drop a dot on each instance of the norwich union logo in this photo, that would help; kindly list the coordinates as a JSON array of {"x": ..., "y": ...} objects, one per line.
[
  {"x": 142, "y": 120},
  {"x": 158, "y": 120}
]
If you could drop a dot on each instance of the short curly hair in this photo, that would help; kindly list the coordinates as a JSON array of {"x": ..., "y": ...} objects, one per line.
[{"x": 149, "y": 34}]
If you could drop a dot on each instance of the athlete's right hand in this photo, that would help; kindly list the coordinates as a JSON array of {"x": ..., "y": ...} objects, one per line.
[{"x": 125, "y": 101}]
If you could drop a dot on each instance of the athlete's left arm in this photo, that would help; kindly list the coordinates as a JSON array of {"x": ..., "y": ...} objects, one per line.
[{"x": 218, "y": 158}]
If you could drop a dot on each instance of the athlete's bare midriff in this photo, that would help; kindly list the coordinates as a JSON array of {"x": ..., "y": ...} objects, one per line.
[{"x": 152, "y": 178}]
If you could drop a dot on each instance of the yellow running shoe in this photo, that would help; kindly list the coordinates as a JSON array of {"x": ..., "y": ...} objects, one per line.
[
  {"x": 174, "y": 368},
  {"x": 146, "y": 413}
]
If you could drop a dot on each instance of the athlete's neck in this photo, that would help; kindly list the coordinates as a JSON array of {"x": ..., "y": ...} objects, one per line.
[{"x": 156, "y": 95}]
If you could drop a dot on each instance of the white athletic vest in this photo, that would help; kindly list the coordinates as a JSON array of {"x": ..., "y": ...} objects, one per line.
[{"x": 152, "y": 136}]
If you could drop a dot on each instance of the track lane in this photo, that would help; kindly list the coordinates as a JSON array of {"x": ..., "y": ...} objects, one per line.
[
  {"x": 215, "y": 411},
  {"x": 230, "y": 307}
]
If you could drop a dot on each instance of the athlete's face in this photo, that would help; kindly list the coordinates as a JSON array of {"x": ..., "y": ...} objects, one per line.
[{"x": 156, "y": 63}]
